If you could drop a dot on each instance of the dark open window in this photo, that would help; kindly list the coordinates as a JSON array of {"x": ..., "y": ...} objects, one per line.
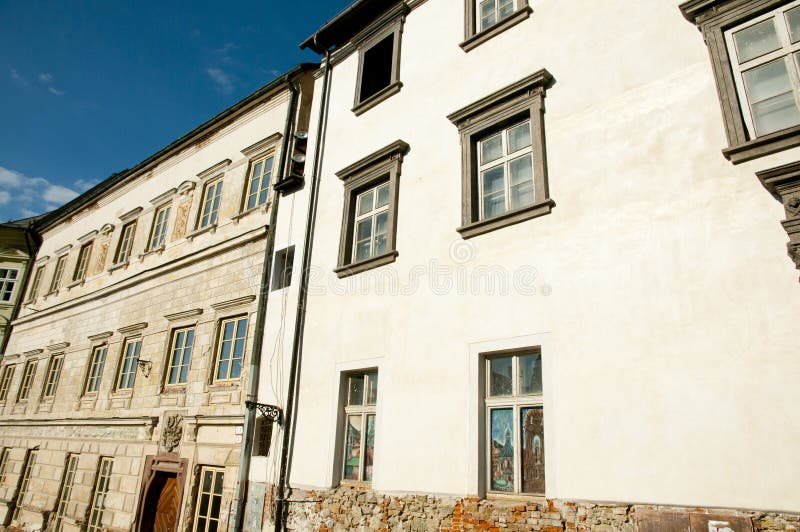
[
  {"x": 282, "y": 270},
  {"x": 378, "y": 67},
  {"x": 376, "y": 73}
]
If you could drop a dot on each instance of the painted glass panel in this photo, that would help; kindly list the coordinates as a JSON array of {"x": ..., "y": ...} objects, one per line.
[
  {"x": 355, "y": 393},
  {"x": 352, "y": 453},
  {"x": 502, "y": 449},
  {"x": 369, "y": 447},
  {"x": 372, "y": 389},
  {"x": 532, "y": 421}
]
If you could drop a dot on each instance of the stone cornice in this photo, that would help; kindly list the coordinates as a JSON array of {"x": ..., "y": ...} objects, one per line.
[
  {"x": 232, "y": 303},
  {"x": 183, "y": 315}
]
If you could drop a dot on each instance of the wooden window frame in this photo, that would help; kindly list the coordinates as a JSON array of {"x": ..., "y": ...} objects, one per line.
[
  {"x": 212, "y": 218},
  {"x": 58, "y": 273},
  {"x": 125, "y": 243},
  {"x": 94, "y": 521},
  {"x": 4, "y": 454},
  {"x": 247, "y": 193},
  {"x": 24, "y": 481},
  {"x": 218, "y": 476},
  {"x": 157, "y": 237},
  {"x": 65, "y": 492},
  {"x": 5, "y": 281},
  {"x": 82, "y": 265},
  {"x": 94, "y": 379},
  {"x": 171, "y": 353},
  {"x": 128, "y": 373},
  {"x": 26, "y": 383},
  {"x": 5, "y": 380},
  {"x": 218, "y": 351},
  {"x": 52, "y": 376},
  {"x": 473, "y": 37},
  {"x": 36, "y": 283}
]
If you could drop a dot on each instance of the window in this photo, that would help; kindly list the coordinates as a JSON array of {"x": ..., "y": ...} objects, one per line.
[
  {"x": 755, "y": 49},
  {"x": 96, "y": 364},
  {"x": 369, "y": 221},
  {"x": 83, "y": 262},
  {"x": 263, "y": 438},
  {"x": 53, "y": 373},
  {"x": 230, "y": 351},
  {"x": 504, "y": 165},
  {"x": 4, "y": 464},
  {"x": 95, "y": 522},
  {"x": 359, "y": 435},
  {"x": 125, "y": 243},
  {"x": 66, "y": 492},
  {"x": 180, "y": 355},
  {"x": 282, "y": 271},
  {"x": 258, "y": 181},
  {"x": 27, "y": 380},
  {"x": 210, "y": 206},
  {"x": 515, "y": 423},
  {"x": 8, "y": 278},
  {"x": 27, "y": 469},
  {"x": 37, "y": 280},
  {"x": 5, "y": 381},
  {"x": 55, "y": 284},
  {"x": 158, "y": 234},
  {"x": 130, "y": 358},
  {"x": 378, "y": 67},
  {"x": 486, "y": 18},
  {"x": 209, "y": 500}
]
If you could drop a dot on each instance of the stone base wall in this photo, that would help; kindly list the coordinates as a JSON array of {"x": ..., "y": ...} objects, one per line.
[{"x": 356, "y": 508}]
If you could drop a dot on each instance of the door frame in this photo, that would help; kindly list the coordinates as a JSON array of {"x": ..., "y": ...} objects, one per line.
[{"x": 162, "y": 463}]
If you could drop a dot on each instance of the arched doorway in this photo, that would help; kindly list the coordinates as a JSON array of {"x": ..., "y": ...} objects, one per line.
[{"x": 162, "y": 490}]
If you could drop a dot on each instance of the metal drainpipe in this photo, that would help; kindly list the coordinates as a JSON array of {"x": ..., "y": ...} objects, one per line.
[
  {"x": 239, "y": 500},
  {"x": 32, "y": 249},
  {"x": 299, "y": 325}
]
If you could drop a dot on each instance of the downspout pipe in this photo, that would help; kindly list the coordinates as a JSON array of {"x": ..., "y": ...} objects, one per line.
[
  {"x": 281, "y": 508},
  {"x": 32, "y": 248},
  {"x": 248, "y": 431}
]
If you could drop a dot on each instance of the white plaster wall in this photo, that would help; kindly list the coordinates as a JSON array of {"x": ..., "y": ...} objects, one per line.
[{"x": 672, "y": 308}]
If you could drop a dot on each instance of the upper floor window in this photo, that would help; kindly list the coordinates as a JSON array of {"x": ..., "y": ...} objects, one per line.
[
  {"x": 282, "y": 269},
  {"x": 83, "y": 262},
  {"x": 258, "y": 181},
  {"x": 52, "y": 376},
  {"x": 378, "y": 67},
  {"x": 209, "y": 210},
  {"x": 158, "y": 234},
  {"x": 230, "y": 353},
  {"x": 180, "y": 355},
  {"x": 27, "y": 380},
  {"x": 127, "y": 367},
  {"x": 755, "y": 56},
  {"x": 55, "y": 283},
  {"x": 359, "y": 435},
  {"x": 125, "y": 244},
  {"x": 486, "y": 18},
  {"x": 96, "y": 364},
  {"x": 505, "y": 171},
  {"x": 37, "y": 281},
  {"x": 5, "y": 381},
  {"x": 8, "y": 279}
]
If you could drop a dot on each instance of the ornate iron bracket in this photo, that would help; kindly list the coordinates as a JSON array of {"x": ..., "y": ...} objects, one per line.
[{"x": 271, "y": 412}]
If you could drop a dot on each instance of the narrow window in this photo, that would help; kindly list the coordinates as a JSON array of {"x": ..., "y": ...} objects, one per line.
[
  {"x": 53, "y": 373},
  {"x": 506, "y": 171},
  {"x": 5, "y": 381},
  {"x": 27, "y": 380},
  {"x": 127, "y": 368},
  {"x": 210, "y": 206},
  {"x": 491, "y": 12},
  {"x": 230, "y": 353},
  {"x": 371, "y": 223},
  {"x": 263, "y": 436},
  {"x": 378, "y": 67},
  {"x": 515, "y": 423},
  {"x": 125, "y": 243},
  {"x": 258, "y": 182},
  {"x": 96, "y": 364},
  {"x": 376, "y": 73},
  {"x": 95, "y": 522},
  {"x": 55, "y": 284},
  {"x": 359, "y": 434},
  {"x": 4, "y": 464},
  {"x": 37, "y": 281},
  {"x": 181, "y": 355},
  {"x": 8, "y": 279},
  {"x": 209, "y": 500},
  {"x": 83, "y": 262},
  {"x": 282, "y": 270},
  {"x": 158, "y": 234},
  {"x": 25, "y": 480},
  {"x": 66, "y": 492}
]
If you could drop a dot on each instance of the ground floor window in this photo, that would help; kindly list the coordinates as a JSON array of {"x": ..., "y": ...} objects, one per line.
[
  {"x": 209, "y": 500},
  {"x": 359, "y": 435},
  {"x": 95, "y": 523},
  {"x": 66, "y": 491},
  {"x": 27, "y": 469}
]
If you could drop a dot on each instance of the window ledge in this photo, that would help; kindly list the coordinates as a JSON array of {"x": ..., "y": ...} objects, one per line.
[
  {"x": 483, "y": 36},
  {"x": 174, "y": 389},
  {"x": 765, "y": 145},
  {"x": 509, "y": 218},
  {"x": 515, "y": 497},
  {"x": 124, "y": 392},
  {"x": 263, "y": 208},
  {"x": 224, "y": 385},
  {"x": 209, "y": 228},
  {"x": 378, "y": 97},
  {"x": 357, "y": 484},
  {"x": 159, "y": 250},
  {"x": 119, "y": 266},
  {"x": 79, "y": 282},
  {"x": 357, "y": 267}
]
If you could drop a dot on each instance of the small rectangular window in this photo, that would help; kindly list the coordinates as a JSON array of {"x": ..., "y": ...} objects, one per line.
[
  {"x": 27, "y": 380},
  {"x": 8, "y": 279},
  {"x": 209, "y": 500},
  {"x": 125, "y": 243},
  {"x": 95, "y": 521},
  {"x": 55, "y": 283},
  {"x": 258, "y": 181},
  {"x": 180, "y": 355},
  {"x": 230, "y": 352},
  {"x": 66, "y": 492},
  {"x": 127, "y": 367},
  {"x": 359, "y": 435},
  {"x": 4, "y": 464},
  {"x": 37, "y": 281},
  {"x": 263, "y": 436},
  {"x": 158, "y": 234},
  {"x": 27, "y": 469},
  {"x": 83, "y": 262},
  {"x": 5, "y": 381},
  {"x": 378, "y": 67},
  {"x": 96, "y": 365},
  {"x": 209, "y": 210},
  {"x": 282, "y": 269},
  {"x": 52, "y": 376}
]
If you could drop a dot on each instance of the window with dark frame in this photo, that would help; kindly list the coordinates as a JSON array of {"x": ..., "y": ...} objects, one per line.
[
  {"x": 24, "y": 482},
  {"x": 282, "y": 269},
  {"x": 483, "y": 19},
  {"x": 27, "y": 380},
  {"x": 95, "y": 374},
  {"x": 5, "y": 381},
  {"x": 379, "y": 66},
  {"x": 125, "y": 244},
  {"x": 504, "y": 164},
  {"x": 83, "y": 262},
  {"x": 52, "y": 376},
  {"x": 65, "y": 492}
]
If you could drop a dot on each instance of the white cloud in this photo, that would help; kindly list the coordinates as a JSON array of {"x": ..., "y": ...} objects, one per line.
[
  {"x": 5, "y": 197},
  {"x": 46, "y": 78},
  {"x": 55, "y": 91},
  {"x": 57, "y": 194},
  {"x": 223, "y": 81},
  {"x": 85, "y": 184},
  {"x": 27, "y": 196},
  {"x": 19, "y": 78}
]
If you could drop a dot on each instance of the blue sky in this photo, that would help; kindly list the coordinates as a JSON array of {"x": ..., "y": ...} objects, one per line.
[{"x": 91, "y": 87}]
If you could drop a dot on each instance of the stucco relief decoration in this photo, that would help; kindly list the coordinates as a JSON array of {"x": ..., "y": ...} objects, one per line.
[
  {"x": 180, "y": 220},
  {"x": 171, "y": 433},
  {"x": 793, "y": 207},
  {"x": 794, "y": 253}
]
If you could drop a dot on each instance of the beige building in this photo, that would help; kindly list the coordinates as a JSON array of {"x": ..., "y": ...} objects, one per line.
[
  {"x": 18, "y": 243},
  {"x": 123, "y": 388}
]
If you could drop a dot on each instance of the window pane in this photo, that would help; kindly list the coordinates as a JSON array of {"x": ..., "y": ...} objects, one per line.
[
  {"x": 756, "y": 40},
  {"x": 488, "y": 13},
  {"x": 362, "y": 250},
  {"x": 355, "y": 390},
  {"x": 771, "y": 97},
  {"x": 383, "y": 195},
  {"x": 521, "y": 174},
  {"x": 530, "y": 374},
  {"x": 775, "y": 114},
  {"x": 365, "y": 202},
  {"x": 492, "y": 148},
  {"x": 793, "y": 21},
  {"x": 505, "y": 8},
  {"x": 352, "y": 453},
  {"x": 532, "y": 421},
  {"x": 519, "y": 137},
  {"x": 369, "y": 448},
  {"x": 372, "y": 389},
  {"x": 494, "y": 197},
  {"x": 381, "y": 232},
  {"x": 767, "y": 81},
  {"x": 364, "y": 230},
  {"x": 502, "y": 449},
  {"x": 500, "y": 376}
]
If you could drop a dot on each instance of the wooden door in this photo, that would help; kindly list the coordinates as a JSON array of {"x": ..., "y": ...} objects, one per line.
[{"x": 166, "y": 519}]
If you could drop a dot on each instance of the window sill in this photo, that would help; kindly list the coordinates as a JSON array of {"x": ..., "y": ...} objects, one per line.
[
  {"x": 155, "y": 251},
  {"x": 222, "y": 386},
  {"x": 174, "y": 389},
  {"x": 357, "y": 484},
  {"x": 357, "y": 267},
  {"x": 509, "y": 218},
  {"x": 378, "y": 97},
  {"x": 761, "y": 146},
  {"x": 262, "y": 208},
  {"x": 124, "y": 392},
  {"x": 79, "y": 282},
  {"x": 119, "y": 266},
  {"x": 483, "y": 36},
  {"x": 209, "y": 228},
  {"x": 519, "y": 497}
]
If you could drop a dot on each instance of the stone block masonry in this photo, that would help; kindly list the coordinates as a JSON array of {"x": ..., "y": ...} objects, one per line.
[{"x": 355, "y": 508}]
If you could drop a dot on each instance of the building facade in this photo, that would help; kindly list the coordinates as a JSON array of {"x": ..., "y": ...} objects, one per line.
[
  {"x": 18, "y": 243},
  {"x": 123, "y": 390}
]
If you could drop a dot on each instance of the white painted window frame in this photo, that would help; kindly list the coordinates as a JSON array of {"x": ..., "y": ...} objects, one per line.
[
  {"x": 505, "y": 161},
  {"x": 215, "y": 471},
  {"x": 371, "y": 214},
  {"x": 212, "y": 193},
  {"x": 251, "y": 177},
  {"x": 364, "y": 410},
  {"x": 158, "y": 233},
  {"x": 52, "y": 376},
  {"x": 126, "y": 379},
  {"x": 7, "y": 284},
  {"x": 94, "y": 523},
  {"x": 94, "y": 375},
  {"x": 234, "y": 340}
]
